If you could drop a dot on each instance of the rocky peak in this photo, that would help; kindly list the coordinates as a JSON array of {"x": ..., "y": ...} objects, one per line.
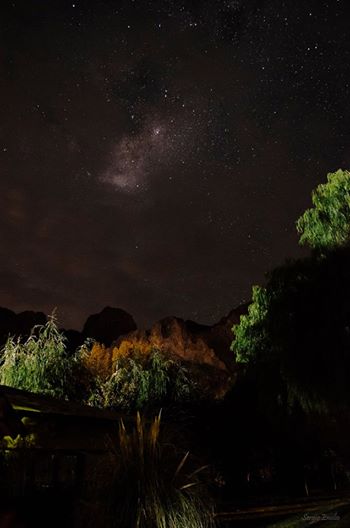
[
  {"x": 21, "y": 324},
  {"x": 107, "y": 325},
  {"x": 190, "y": 341}
]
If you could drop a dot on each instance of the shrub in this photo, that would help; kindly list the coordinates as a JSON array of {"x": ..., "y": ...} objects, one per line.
[{"x": 152, "y": 488}]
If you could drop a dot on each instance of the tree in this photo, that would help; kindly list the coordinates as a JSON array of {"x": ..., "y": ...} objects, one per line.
[
  {"x": 142, "y": 381},
  {"x": 298, "y": 325},
  {"x": 327, "y": 224},
  {"x": 40, "y": 364}
]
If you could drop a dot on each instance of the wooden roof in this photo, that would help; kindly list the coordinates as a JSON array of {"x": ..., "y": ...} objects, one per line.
[{"x": 25, "y": 402}]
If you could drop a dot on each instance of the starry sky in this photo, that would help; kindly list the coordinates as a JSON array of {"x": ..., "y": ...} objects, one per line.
[{"x": 154, "y": 155}]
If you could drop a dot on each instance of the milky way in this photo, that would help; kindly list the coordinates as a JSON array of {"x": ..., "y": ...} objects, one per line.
[
  {"x": 135, "y": 158},
  {"x": 155, "y": 155}
]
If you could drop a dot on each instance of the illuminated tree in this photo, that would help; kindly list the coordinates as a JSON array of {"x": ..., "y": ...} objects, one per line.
[
  {"x": 300, "y": 322},
  {"x": 98, "y": 360},
  {"x": 298, "y": 325},
  {"x": 40, "y": 364},
  {"x": 327, "y": 224},
  {"x": 101, "y": 361},
  {"x": 142, "y": 381}
]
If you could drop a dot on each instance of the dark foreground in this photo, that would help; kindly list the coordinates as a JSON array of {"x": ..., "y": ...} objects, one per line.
[{"x": 326, "y": 512}]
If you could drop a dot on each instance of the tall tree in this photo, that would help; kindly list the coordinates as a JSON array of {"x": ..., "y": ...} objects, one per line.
[
  {"x": 41, "y": 363},
  {"x": 300, "y": 321}
]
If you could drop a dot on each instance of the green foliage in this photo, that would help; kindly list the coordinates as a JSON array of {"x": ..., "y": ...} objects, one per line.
[
  {"x": 300, "y": 324},
  {"x": 20, "y": 442},
  {"x": 251, "y": 338},
  {"x": 142, "y": 381},
  {"x": 41, "y": 364},
  {"x": 327, "y": 224},
  {"x": 154, "y": 486},
  {"x": 15, "y": 455}
]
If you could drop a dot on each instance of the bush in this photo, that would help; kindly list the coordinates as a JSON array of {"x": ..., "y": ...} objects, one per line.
[{"x": 152, "y": 488}]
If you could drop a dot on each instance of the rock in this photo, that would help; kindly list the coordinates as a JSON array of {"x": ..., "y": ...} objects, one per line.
[
  {"x": 190, "y": 341},
  {"x": 219, "y": 336},
  {"x": 108, "y": 325},
  {"x": 12, "y": 324},
  {"x": 25, "y": 321},
  {"x": 7, "y": 318},
  {"x": 205, "y": 349},
  {"x": 172, "y": 336}
]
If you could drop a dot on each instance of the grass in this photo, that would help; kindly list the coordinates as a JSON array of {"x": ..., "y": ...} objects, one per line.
[{"x": 153, "y": 486}]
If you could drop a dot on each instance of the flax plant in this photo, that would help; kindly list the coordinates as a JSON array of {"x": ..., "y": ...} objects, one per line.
[{"x": 152, "y": 487}]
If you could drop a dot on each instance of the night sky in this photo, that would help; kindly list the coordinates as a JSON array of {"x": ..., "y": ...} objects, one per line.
[{"x": 155, "y": 155}]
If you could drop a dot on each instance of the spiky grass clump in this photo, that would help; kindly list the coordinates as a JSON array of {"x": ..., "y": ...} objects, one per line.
[{"x": 152, "y": 488}]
